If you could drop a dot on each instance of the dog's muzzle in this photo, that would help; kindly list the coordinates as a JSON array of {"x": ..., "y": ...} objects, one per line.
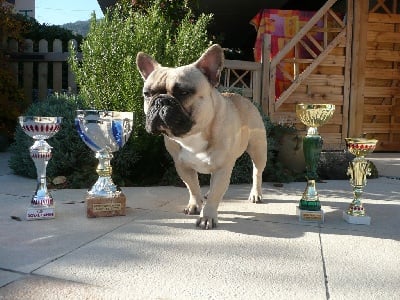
[{"x": 167, "y": 115}]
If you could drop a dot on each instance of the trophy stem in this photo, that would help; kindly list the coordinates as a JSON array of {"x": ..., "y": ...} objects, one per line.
[
  {"x": 42, "y": 203},
  {"x": 313, "y": 116},
  {"x": 104, "y": 186},
  {"x": 312, "y": 147},
  {"x": 358, "y": 170}
]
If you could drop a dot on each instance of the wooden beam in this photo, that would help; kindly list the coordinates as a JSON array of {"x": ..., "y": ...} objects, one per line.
[
  {"x": 309, "y": 69},
  {"x": 266, "y": 102},
  {"x": 302, "y": 32},
  {"x": 358, "y": 65},
  {"x": 347, "y": 69}
]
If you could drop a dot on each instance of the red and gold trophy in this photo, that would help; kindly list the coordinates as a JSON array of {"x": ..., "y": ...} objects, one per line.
[{"x": 358, "y": 170}]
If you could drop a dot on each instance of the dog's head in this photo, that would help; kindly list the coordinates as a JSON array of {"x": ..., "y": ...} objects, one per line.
[{"x": 178, "y": 100}]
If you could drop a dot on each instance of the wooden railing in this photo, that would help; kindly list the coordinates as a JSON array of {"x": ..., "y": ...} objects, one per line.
[
  {"x": 333, "y": 34},
  {"x": 245, "y": 76},
  {"x": 42, "y": 72}
]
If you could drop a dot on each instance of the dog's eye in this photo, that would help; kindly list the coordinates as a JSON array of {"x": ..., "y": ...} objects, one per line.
[
  {"x": 182, "y": 93},
  {"x": 146, "y": 94}
]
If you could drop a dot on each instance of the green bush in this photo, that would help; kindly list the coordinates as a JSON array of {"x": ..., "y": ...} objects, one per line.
[
  {"x": 108, "y": 78},
  {"x": 70, "y": 156},
  {"x": 107, "y": 74}
]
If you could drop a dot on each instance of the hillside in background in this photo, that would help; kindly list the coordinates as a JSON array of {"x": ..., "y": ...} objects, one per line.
[{"x": 78, "y": 27}]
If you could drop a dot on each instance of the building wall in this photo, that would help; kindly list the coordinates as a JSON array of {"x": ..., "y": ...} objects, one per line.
[{"x": 25, "y": 7}]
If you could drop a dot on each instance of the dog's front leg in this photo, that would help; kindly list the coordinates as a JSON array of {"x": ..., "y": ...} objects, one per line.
[
  {"x": 218, "y": 185},
  {"x": 191, "y": 180}
]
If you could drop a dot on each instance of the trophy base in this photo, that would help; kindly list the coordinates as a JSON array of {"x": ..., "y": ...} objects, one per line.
[
  {"x": 310, "y": 215},
  {"x": 33, "y": 213},
  {"x": 105, "y": 206},
  {"x": 359, "y": 220}
]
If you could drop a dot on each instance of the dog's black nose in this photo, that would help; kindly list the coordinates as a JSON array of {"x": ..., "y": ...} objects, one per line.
[{"x": 162, "y": 100}]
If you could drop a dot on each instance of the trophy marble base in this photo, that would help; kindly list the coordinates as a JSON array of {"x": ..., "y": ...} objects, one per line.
[
  {"x": 359, "y": 220},
  {"x": 40, "y": 213},
  {"x": 105, "y": 206},
  {"x": 310, "y": 215}
]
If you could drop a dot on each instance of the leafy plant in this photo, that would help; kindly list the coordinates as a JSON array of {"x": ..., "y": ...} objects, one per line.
[
  {"x": 12, "y": 100},
  {"x": 108, "y": 78},
  {"x": 70, "y": 156}
]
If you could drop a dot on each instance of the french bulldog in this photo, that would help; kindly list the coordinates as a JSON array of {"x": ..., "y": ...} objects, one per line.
[{"x": 205, "y": 131}]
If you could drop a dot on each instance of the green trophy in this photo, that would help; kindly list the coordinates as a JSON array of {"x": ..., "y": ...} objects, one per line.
[
  {"x": 358, "y": 170},
  {"x": 313, "y": 116}
]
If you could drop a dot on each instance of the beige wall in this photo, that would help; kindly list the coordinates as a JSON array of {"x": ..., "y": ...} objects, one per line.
[{"x": 25, "y": 7}]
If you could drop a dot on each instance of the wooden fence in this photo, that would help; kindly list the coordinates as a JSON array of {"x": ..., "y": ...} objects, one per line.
[{"x": 42, "y": 72}]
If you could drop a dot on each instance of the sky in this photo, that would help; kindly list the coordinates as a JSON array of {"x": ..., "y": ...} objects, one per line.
[{"x": 58, "y": 12}]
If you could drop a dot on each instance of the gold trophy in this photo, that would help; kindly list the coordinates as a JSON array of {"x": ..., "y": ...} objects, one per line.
[
  {"x": 358, "y": 170},
  {"x": 313, "y": 116}
]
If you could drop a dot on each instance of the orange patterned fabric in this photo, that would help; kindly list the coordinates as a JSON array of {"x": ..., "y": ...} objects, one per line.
[{"x": 282, "y": 25}]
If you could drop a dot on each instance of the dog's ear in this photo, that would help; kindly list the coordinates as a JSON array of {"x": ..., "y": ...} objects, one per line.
[
  {"x": 211, "y": 63},
  {"x": 146, "y": 64}
]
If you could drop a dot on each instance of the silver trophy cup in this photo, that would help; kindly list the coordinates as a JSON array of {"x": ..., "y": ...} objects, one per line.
[
  {"x": 40, "y": 129},
  {"x": 104, "y": 132}
]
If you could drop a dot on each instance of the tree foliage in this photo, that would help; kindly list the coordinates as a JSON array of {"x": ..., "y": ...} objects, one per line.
[
  {"x": 108, "y": 78},
  {"x": 12, "y": 100}
]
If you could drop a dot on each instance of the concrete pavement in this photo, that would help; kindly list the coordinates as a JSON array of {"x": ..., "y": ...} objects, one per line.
[{"x": 156, "y": 252}]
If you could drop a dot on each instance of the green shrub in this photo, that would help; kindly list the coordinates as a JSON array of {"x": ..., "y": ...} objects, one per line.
[
  {"x": 108, "y": 79},
  {"x": 70, "y": 156}
]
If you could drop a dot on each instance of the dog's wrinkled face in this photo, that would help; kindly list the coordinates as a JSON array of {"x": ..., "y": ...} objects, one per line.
[
  {"x": 176, "y": 99},
  {"x": 168, "y": 101}
]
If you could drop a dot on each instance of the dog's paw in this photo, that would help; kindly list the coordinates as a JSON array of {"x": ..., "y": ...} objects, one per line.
[
  {"x": 255, "y": 197},
  {"x": 206, "y": 223},
  {"x": 208, "y": 217},
  {"x": 191, "y": 209}
]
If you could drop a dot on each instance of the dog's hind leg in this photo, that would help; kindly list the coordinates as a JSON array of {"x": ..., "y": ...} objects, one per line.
[{"x": 257, "y": 150}]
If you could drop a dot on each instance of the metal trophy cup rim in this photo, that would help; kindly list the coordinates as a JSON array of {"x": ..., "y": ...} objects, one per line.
[
  {"x": 306, "y": 113},
  {"x": 360, "y": 146},
  {"x": 101, "y": 145},
  {"x": 40, "y": 127}
]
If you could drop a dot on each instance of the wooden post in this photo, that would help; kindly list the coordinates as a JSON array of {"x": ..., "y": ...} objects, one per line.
[
  {"x": 255, "y": 85},
  {"x": 42, "y": 72},
  {"x": 57, "y": 67},
  {"x": 347, "y": 69},
  {"x": 28, "y": 72},
  {"x": 358, "y": 62},
  {"x": 265, "y": 69}
]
